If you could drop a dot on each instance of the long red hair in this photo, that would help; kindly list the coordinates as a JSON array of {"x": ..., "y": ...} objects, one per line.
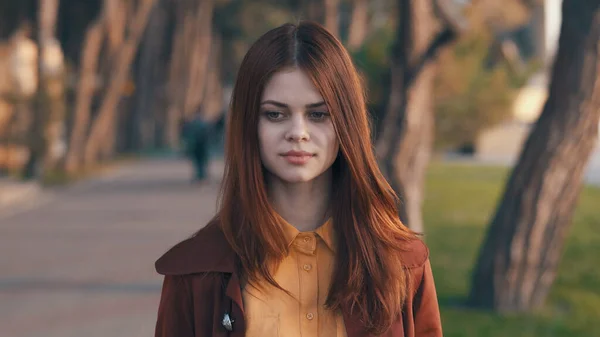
[{"x": 368, "y": 277}]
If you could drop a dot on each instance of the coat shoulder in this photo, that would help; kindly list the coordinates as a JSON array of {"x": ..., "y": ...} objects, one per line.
[
  {"x": 415, "y": 253},
  {"x": 206, "y": 251}
]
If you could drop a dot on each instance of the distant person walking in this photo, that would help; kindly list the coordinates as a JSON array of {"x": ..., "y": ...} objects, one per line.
[
  {"x": 198, "y": 137},
  {"x": 195, "y": 134}
]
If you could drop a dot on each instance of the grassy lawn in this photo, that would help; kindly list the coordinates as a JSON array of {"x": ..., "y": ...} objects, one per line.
[{"x": 459, "y": 202}]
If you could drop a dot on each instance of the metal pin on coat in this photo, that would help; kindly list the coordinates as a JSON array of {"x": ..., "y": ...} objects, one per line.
[{"x": 227, "y": 322}]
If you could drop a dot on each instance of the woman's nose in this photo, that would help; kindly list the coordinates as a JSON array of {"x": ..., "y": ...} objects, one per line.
[{"x": 298, "y": 130}]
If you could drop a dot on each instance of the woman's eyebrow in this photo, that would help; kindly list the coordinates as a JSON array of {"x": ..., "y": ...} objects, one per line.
[
  {"x": 283, "y": 105},
  {"x": 315, "y": 105}
]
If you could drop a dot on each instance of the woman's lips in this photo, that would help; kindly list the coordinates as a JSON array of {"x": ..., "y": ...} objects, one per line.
[{"x": 297, "y": 157}]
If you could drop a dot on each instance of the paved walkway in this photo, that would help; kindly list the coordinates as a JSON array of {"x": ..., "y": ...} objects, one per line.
[
  {"x": 80, "y": 261},
  {"x": 12, "y": 191}
]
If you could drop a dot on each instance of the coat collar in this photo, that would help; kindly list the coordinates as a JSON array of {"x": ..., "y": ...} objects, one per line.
[{"x": 209, "y": 251}]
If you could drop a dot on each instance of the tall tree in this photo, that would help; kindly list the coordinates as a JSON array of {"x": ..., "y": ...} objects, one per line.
[
  {"x": 86, "y": 87},
  {"x": 102, "y": 129},
  {"x": 332, "y": 9},
  {"x": 189, "y": 62},
  {"x": 51, "y": 86},
  {"x": 406, "y": 140},
  {"x": 49, "y": 111},
  {"x": 325, "y": 12},
  {"x": 312, "y": 10},
  {"x": 144, "y": 125},
  {"x": 212, "y": 105},
  {"x": 519, "y": 258},
  {"x": 358, "y": 24}
]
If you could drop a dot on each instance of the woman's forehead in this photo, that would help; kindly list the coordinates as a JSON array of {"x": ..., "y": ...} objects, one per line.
[{"x": 292, "y": 87}]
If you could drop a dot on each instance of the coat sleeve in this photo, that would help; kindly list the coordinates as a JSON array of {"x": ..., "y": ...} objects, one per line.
[
  {"x": 175, "y": 311},
  {"x": 425, "y": 305}
]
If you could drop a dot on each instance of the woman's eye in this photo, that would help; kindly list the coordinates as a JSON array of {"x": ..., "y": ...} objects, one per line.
[
  {"x": 318, "y": 115},
  {"x": 273, "y": 115}
]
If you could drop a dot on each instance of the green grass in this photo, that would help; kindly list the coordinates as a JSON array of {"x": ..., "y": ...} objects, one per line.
[{"x": 460, "y": 200}]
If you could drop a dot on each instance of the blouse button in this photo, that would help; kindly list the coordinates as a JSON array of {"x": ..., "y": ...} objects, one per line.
[
  {"x": 306, "y": 239},
  {"x": 310, "y": 316},
  {"x": 307, "y": 267}
]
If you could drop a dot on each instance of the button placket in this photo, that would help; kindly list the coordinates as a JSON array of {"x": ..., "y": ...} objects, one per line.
[{"x": 308, "y": 274}]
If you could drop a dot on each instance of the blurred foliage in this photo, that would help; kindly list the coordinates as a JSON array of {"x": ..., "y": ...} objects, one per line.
[
  {"x": 469, "y": 96},
  {"x": 498, "y": 15},
  {"x": 372, "y": 61},
  {"x": 240, "y": 23},
  {"x": 458, "y": 204}
]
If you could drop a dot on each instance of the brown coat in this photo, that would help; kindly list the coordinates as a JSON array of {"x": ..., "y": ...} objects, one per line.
[{"x": 201, "y": 285}]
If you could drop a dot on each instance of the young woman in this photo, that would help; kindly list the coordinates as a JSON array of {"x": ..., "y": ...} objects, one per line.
[{"x": 307, "y": 241}]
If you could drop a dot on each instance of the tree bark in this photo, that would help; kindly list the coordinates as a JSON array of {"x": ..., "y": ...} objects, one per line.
[
  {"x": 49, "y": 109},
  {"x": 212, "y": 105},
  {"x": 332, "y": 15},
  {"x": 52, "y": 86},
  {"x": 117, "y": 12},
  {"x": 358, "y": 25},
  {"x": 200, "y": 39},
  {"x": 116, "y": 22},
  {"x": 85, "y": 93},
  {"x": 519, "y": 258},
  {"x": 408, "y": 129},
  {"x": 189, "y": 63},
  {"x": 104, "y": 124},
  {"x": 150, "y": 78},
  {"x": 312, "y": 10}
]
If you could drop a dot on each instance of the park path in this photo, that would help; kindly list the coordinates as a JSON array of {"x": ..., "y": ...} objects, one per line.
[{"x": 80, "y": 261}]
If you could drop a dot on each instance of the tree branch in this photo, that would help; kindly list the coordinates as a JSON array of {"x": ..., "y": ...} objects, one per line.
[{"x": 443, "y": 38}]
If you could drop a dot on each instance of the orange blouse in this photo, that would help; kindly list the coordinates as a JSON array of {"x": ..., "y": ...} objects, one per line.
[{"x": 306, "y": 273}]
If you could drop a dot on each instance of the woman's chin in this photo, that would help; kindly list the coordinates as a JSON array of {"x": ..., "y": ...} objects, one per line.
[
  {"x": 294, "y": 176},
  {"x": 296, "y": 179}
]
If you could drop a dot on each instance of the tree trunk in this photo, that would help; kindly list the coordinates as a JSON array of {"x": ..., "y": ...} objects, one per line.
[
  {"x": 52, "y": 86},
  {"x": 150, "y": 78},
  {"x": 312, "y": 10},
  {"x": 212, "y": 106},
  {"x": 519, "y": 258},
  {"x": 332, "y": 15},
  {"x": 407, "y": 136},
  {"x": 115, "y": 20},
  {"x": 200, "y": 39},
  {"x": 358, "y": 24},
  {"x": 85, "y": 93},
  {"x": 104, "y": 124},
  {"x": 189, "y": 63},
  {"x": 48, "y": 108}
]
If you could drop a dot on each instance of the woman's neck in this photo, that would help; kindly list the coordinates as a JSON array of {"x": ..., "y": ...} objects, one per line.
[{"x": 303, "y": 205}]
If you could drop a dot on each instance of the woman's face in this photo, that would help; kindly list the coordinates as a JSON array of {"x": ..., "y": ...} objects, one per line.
[{"x": 296, "y": 135}]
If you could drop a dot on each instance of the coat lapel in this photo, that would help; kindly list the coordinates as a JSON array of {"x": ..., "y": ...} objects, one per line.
[
  {"x": 233, "y": 297},
  {"x": 234, "y": 291}
]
